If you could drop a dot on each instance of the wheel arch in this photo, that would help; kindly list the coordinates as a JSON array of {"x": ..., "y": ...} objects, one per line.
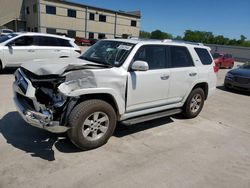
[{"x": 204, "y": 86}]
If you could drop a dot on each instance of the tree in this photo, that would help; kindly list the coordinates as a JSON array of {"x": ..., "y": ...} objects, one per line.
[
  {"x": 158, "y": 34},
  {"x": 145, "y": 34}
]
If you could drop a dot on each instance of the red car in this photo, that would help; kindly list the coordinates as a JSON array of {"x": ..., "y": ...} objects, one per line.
[
  {"x": 223, "y": 60},
  {"x": 82, "y": 41}
]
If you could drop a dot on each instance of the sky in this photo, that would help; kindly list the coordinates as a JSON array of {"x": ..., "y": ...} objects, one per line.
[{"x": 230, "y": 18}]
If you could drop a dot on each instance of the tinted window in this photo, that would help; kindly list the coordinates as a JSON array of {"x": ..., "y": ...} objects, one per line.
[
  {"x": 71, "y": 33},
  {"x": 50, "y": 9},
  {"x": 217, "y": 55},
  {"x": 102, "y": 18},
  {"x": 154, "y": 55},
  {"x": 23, "y": 41},
  {"x": 51, "y": 41},
  {"x": 72, "y": 13},
  {"x": 91, "y": 35},
  {"x": 133, "y": 23},
  {"x": 91, "y": 16},
  {"x": 204, "y": 56},
  {"x": 180, "y": 57},
  {"x": 51, "y": 31},
  {"x": 101, "y": 36}
]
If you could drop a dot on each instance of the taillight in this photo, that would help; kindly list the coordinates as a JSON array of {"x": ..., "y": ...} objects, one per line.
[
  {"x": 216, "y": 69},
  {"x": 78, "y": 51}
]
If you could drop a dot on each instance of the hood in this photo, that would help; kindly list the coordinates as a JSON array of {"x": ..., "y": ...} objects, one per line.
[
  {"x": 56, "y": 66},
  {"x": 241, "y": 72}
]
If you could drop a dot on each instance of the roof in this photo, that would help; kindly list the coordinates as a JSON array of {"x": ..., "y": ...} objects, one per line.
[
  {"x": 136, "y": 14},
  {"x": 156, "y": 41},
  {"x": 43, "y": 34}
]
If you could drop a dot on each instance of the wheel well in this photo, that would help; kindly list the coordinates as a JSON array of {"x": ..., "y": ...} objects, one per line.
[
  {"x": 105, "y": 97},
  {"x": 203, "y": 86}
]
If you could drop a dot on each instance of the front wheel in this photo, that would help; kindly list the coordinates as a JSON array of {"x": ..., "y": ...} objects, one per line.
[
  {"x": 92, "y": 123},
  {"x": 194, "y": 103}
]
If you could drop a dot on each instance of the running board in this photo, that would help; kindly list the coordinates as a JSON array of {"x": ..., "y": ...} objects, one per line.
[{"x": 149, "y": 117}]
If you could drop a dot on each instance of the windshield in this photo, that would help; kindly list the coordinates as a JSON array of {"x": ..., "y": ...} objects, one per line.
[
  {"x": 113, "y": 53},
  {"x": 7, "y": 37},
  {"x": 246, "y": 66},
  {"x": 217, "y": 55}
]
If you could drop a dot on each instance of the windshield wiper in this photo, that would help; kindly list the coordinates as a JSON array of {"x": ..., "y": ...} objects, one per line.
[{"x": 98, "y": 62}]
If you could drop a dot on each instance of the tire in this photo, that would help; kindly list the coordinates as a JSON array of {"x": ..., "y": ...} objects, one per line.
[
  {"x": 194, "y": 103},
  {"x": 1, "y": 66},
  {"x": 92, "y": 123}
]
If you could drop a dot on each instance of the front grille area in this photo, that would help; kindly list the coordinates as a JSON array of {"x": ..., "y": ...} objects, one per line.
[
  {"x": 21, "y": 82},
  {"x": 242, "y": 80}
]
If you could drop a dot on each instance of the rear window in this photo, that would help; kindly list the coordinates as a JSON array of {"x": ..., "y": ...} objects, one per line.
[
  {"x": 204, "y": 56},
  {"x": 51, "y": 41},
  {"x": 180, "y": 57}
]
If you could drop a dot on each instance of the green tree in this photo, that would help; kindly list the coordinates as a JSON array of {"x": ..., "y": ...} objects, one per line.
[
  {"x": 158, "y": 34},
  {"x": 145, "y": 34}
]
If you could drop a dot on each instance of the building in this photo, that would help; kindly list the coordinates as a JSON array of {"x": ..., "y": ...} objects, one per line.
[{"x": 65, "y": 17}]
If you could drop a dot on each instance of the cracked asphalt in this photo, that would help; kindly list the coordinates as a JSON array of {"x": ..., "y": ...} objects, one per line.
[{"x": 212, "y": 150}]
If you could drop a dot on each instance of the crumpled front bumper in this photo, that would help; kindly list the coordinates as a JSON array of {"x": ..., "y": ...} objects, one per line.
[{"x": 42, "y": 120}]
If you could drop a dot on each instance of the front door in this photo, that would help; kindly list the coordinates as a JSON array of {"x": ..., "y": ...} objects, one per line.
[{"x": 148, "y": 89}]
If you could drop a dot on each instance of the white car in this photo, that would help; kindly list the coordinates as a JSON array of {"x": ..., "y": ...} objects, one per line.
[
  {"x": 17, "y": 48},
  {"x": 5, "y": 31},
  {"x": 127, "y": 81}
]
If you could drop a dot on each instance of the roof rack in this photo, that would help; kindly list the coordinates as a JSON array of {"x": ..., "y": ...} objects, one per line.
[{"x": 182, "y": 41}]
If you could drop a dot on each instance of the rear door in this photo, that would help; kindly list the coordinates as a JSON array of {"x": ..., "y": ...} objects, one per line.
[
  {"x": 52, "y": 47},
  {"x": 182, "y": 73},
  {"x": 148, "y": 89},
  {"x": 19, "y": 50}
]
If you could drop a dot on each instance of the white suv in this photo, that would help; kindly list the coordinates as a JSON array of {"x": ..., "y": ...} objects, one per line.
[
  {"x": 17, "y": 48},
  {"x": 127, "y": 81}
]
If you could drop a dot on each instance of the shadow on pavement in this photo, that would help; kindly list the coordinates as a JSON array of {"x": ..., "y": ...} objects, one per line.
[
  {"x": 123, "y": 130},
  {"x": 8, "y": 71},
  {"x": 246, "y": 93},
  {"x": 40, "y": 143},
  {"x": 36, "y": 142}
]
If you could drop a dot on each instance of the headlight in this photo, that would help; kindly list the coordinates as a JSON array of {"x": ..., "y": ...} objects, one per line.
[{"x": 229, "y": 75}]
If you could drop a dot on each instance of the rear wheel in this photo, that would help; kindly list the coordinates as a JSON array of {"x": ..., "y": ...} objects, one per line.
[
  {"x": 92, "y": 123},
  {"x": 194, "y": 103}
]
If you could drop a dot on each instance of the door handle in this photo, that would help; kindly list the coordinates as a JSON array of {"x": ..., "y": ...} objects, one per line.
[
  {"x": 31, "y": 50},
  {"x": 193, "y": 74},
  {"x": 57, "y": 50},
  {"x": 165, "y": 77}
]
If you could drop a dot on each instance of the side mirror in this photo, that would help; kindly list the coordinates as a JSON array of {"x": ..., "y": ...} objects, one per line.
[
  {"x": 10, "y": 44},
  {"x": 140, "y": 66}
]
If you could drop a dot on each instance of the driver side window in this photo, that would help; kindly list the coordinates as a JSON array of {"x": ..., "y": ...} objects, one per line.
[
  {"x": 154, "y": 55},
  {"x": 23, "y": 41}
]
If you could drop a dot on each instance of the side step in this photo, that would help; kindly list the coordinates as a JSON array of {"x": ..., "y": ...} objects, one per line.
[{"x": 148, "y": 117}]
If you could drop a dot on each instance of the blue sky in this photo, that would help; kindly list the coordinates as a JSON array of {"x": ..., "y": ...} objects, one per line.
[{"x": 230, "y": 18}]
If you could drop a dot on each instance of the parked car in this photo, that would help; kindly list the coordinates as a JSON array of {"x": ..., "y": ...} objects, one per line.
[
  {"x": 126, "y": 80},
  {"x": 5, "y": 32},
  {"x": 82, "y": 41},
  {"x": 238, "y": 78},
  {"x": 17, "y": 48},
  {"x": 223, "y": 60}
]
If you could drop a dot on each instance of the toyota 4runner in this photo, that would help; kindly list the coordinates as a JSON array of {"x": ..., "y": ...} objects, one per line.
[{"x": 118, "y": 80}]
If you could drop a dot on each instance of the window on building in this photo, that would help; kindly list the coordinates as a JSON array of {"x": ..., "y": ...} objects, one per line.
[
  {"x": 71, "y": 33},
  {"x": 204, "y": 56},
  {"x": 91, "y": 35},
  {"x": 71, "y": 13},
  {"x": 28, "y": 29},
  {"x": 51, "y": 31},
  {"x": 102, "y": 18},
  {"x": 50, "y": 9},
  {"x": 91, "y": 16},
  {"x": 27, "y": 10},
  {"x": 133, "y": 23},
  {"x": 35, "y": 8},
  {"x": 180, "y": 57},
  {"x": 101, "y": 36},
  {"x": 35, "y": 29},
  {"x": 154, "y": 55}
]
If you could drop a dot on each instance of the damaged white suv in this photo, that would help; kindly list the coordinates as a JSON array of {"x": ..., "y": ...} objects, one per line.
[{"x": 127, "y": 81}]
